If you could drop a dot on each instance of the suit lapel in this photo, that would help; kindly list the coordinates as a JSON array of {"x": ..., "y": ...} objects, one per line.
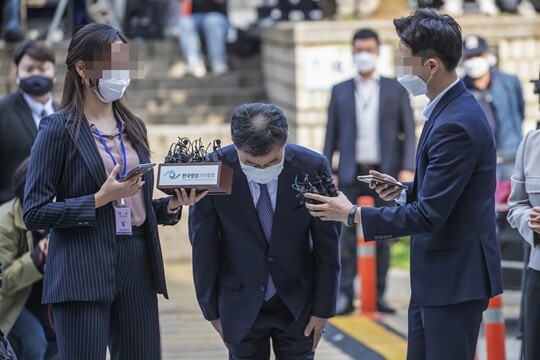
[
  {"x": 286, "y": 197},
  {"x": 350, "y": 98},
  {"x": 449, "y": 96},
  {"x": 88, "y": 150},
  {"x": 148, "y": 179},
  {"x": 25, "y": 116},
  {"x": 242, "y": 194}
]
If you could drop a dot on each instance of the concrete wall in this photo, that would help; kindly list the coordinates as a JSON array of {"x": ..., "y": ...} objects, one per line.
[{"x": 302, "y": 88}]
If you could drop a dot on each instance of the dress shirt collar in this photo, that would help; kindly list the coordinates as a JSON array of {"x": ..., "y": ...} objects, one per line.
[
  {"x": 428, "y": 110},
  {"x": 358, "y": 80},
  {"x": 36, "y": 107}
]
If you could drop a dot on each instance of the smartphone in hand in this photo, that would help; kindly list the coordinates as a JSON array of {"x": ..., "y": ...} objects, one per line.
[
  {"x": 370, "y": 179},
  {"x": 137, "y": 170}
]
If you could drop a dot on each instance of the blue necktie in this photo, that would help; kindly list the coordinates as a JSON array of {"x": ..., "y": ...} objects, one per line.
[{"x": 266, "y": 217}]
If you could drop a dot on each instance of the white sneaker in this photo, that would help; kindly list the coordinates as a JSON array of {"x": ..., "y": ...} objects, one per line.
[
  {"x": 219, "y": 68},
  {"x": 527, "y": 9},
  {"x": 488, "y": 7},
  {"x": 196, "y": 68},
  {"x": 453, "y": 7}
]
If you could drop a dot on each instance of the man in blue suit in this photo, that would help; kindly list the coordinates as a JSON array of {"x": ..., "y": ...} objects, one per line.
[
  {"x": 263, "y": 267},
  {"x": 370, "y": 124},
  {"x": 449, "y": 207}
]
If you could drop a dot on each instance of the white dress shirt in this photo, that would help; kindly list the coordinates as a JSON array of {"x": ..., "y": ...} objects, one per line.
[
  {"x": 37, "y": 108},
  {"x": 366, "y": 97}
]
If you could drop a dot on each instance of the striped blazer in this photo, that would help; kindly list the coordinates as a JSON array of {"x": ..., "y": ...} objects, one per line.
[{"x": 62, "y": 179}]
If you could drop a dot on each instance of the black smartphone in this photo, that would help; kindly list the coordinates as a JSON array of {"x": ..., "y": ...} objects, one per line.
[
  {"x": 139, "y": 169},
  {"x": 370, "y": 179}
]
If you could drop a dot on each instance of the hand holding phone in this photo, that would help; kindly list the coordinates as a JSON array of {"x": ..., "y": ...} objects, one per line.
[
  {"x": 370, "y": 179},
  {"x": 137, "y": 170}
]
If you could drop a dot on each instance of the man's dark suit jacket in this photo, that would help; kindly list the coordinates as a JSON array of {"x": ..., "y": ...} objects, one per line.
[
  {"x": 18, "y": 131},
  {"x": 62, "y": 179},
  {"x": 396, "y": 130},
  {"x": 450, "y": 209},
  {"x": 232, "y": 260}
]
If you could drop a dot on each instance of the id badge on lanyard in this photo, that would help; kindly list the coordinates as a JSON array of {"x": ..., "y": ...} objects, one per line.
[{"x": 122, "y": 214}]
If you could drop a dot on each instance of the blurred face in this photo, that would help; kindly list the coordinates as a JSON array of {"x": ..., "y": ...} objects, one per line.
[
  {"x": 366, "y": 45},
  {"x": 406, "y": 63},
  {"x": 114, "y": 61},
  {"x": 31, "y": 67},
  {"x": 476, "y": 66}
]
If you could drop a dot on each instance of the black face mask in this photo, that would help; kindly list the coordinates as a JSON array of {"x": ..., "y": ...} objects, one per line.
[{"x": 36, "y": 85}]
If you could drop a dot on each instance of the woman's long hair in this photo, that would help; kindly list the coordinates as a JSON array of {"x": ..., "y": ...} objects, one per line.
[{"x": 83, "y": 47}]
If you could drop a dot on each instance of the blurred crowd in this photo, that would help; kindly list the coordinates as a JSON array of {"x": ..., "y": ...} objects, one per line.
[{"x": 203, "y": 27}]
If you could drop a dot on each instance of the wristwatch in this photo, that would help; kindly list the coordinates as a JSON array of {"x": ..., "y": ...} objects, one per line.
[{"x": 352, "y": 214}]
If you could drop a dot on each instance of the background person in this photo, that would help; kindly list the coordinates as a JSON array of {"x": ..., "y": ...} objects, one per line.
[
  {"x": 371, "y": 126},
  {"x": 500, "y": 96},
  {"x": 21, "y": 112},
  {"x": 524, "y": 214},
  {"x": 449, "y": 208},
  {"x": 207, "y": 17},
  {"x": 104, "y": 266},
  {"x": 263, "y": 267},
  {"x": 23, "y": 255}
]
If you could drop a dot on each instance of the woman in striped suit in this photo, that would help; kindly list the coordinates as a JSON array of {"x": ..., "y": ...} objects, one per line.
[{"x": 104, "y": 267}]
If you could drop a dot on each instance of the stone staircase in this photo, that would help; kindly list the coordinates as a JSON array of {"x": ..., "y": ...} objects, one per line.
[{"x": 166, "y": 95}]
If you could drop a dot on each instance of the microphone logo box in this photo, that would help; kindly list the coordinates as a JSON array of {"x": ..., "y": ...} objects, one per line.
[
  {"x": 189, "y": 165},
  {"x": 215, "y": 177}
]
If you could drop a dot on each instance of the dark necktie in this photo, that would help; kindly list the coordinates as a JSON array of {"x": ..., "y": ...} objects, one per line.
[
  {"x": 266, "y": 217},
  {"x": 43, "y": 113}
]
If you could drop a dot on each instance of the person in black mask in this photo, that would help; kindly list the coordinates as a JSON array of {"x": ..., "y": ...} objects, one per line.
[{"x": 21, "y": 112}]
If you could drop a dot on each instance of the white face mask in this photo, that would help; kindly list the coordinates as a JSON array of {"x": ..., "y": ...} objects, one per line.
[
  {"x": 476, "y": 67},
  {"x": 262, "y": 176},
  {"x": 365, "y": 62},
  {"x": 111, "y": 89}
]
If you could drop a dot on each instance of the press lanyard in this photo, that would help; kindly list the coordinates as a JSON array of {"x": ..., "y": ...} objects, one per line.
[{"x": 122, "y": 148}]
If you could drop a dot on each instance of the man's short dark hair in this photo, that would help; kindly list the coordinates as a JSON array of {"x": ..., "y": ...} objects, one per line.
[
  {"x": 430, "y": 34},
  {"x": 366, "y": 34},
  {"x": 257, "y": 128},
  {"x": 37, "y": 50}
]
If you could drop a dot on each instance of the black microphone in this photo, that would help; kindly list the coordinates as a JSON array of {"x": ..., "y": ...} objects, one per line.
[
  {"x": 187, "y": 151},
  {"x": 322, "y": 185}
]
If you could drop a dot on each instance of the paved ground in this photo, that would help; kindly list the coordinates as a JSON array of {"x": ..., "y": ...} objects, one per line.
[{"x": 187, "y": 336}]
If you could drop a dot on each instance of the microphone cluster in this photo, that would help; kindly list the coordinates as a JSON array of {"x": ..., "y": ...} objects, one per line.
[
  {"x": 321, "y": 185},
  {"x": 187, "y": 151}
]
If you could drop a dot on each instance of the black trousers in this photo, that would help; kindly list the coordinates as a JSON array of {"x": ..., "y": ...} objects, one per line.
[
  {"x": 448, "y": 332},
  {"x": 531, "y": 345},
  {"x": 348, "y": 242},
  {"x": 275, "y": 322},
  {"x": 128, "y": 325}
]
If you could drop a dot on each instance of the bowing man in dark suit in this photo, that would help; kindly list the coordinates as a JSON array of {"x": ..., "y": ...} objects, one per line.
[
  {"x": 449, "y": 208},
  {"x": 371, "y": 126},
  {"x": 263, "y": 267},
  {"x": 102, "y": 278},
  {"x": 21, "y": 111}
]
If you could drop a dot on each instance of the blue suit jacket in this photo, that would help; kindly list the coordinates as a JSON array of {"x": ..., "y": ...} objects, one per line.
[
  {"x": 232, "y": 260},
  {"x": 61, "y": 182},
  {"x": 396, "y": 129},
  {"x": 450, "y": 207}
]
